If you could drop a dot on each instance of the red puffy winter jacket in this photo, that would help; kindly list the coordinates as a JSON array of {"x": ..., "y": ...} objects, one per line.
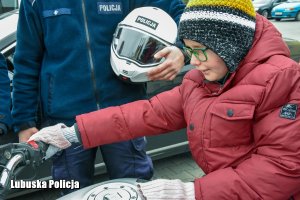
[{"x": 245, "y": 135}]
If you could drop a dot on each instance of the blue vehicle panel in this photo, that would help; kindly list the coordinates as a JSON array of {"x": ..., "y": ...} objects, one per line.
[{"x": 290, "y": 9}]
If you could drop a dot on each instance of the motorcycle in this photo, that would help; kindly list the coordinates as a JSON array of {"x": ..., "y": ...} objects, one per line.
[
  {"x": 118, "y": 189},
  {"x": 14, "y": 157}
]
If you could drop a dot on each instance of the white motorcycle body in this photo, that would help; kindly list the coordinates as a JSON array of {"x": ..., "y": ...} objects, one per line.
[{"x": 118, "y": 189}]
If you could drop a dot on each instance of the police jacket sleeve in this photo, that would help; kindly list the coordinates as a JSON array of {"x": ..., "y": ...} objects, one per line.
[
  {"x": 27, "y": 62},
  {"x": 140, "y": 118},
  {"x": 5, "y": 100},
  {"x": 272, "y": 169}
]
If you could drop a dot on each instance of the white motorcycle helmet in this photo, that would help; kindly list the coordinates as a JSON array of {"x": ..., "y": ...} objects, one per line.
[{"x": 142, "y": 33}]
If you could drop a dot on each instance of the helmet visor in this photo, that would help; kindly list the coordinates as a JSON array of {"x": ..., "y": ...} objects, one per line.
[{"x": 136, "y": 46}]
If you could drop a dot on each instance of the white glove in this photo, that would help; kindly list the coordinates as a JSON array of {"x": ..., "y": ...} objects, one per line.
[
  {"x": 167, "y": 189},
  {"x": 58, "y": 136}
]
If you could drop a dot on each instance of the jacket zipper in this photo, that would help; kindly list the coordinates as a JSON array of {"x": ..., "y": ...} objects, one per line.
[{"x": 90, "y": 55}]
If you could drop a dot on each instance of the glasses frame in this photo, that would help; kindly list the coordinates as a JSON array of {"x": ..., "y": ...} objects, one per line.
[{"x": 195, "y": 51}]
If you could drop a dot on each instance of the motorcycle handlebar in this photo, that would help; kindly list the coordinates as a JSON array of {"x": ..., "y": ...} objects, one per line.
[
  {"x": 15, "y": 156},
  {"x": 10, "y": 168}
]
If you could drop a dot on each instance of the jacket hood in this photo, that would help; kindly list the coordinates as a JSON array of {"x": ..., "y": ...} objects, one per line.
[{"x": 267, "y": 43}]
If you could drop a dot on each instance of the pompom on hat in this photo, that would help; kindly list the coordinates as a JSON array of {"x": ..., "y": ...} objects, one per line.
[{"x": 227, "y": 27}]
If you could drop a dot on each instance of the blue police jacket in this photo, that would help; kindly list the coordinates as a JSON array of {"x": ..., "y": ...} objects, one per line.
[
  {"x": 5, "y": 100},
  {"x": 62, "y": 58}
]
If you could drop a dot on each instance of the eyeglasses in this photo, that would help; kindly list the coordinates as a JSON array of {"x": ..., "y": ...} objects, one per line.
[{"x": 199, "y": 53}]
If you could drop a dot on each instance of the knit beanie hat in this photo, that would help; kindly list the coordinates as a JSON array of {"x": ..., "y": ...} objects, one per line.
[{"x": 227, "y": 27}]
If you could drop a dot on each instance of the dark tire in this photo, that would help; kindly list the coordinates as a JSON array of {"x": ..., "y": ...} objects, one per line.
[
  {"x": 277, "y": 19},
  {"x": 265, "y": 13},
  {"x": 297, "y": 18}
]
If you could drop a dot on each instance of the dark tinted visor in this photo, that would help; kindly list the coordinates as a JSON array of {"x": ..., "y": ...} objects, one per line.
[{"x": 137, "y": 46}]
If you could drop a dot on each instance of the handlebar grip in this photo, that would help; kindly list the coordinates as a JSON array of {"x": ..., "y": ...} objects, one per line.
[
  {"x": 42, "y": 146},
  {"x": 38, "y": 145},
  {"x": 33, "y": 144}
]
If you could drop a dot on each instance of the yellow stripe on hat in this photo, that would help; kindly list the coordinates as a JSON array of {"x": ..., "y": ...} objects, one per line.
[{"x": 244, "y": 5}]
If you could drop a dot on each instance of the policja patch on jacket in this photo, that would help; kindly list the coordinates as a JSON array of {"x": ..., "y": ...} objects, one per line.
[
  {"x": 289, "y": 111},
  {"x": 109, "y": 7}
]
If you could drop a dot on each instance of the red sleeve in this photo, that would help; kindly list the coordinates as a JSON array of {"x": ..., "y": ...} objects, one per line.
[{"x": 162, "y": 113}]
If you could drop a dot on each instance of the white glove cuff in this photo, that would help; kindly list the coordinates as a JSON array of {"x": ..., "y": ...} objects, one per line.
[{"x": 70, "y": 134}]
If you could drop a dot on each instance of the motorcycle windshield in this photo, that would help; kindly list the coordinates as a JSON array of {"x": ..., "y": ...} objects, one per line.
[{"x": 137, "y": 46}]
